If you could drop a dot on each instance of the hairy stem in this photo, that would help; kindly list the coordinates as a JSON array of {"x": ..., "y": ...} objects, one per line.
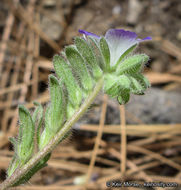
[{"x": 55, "y": 140}]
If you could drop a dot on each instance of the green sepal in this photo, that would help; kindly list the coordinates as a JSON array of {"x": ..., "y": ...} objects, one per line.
[
  {"x": 26, "y": 135},
  {"x": 106, "y": 53},
  {"x": 64, "y": 72},
  {"x": 125, "y": 54},
  {"x": 139, "y": 84},
  {"x": 94, "y": 44},
  {"x": 111, "y": 87},
  {"x": 54, "y": 115},
  {"x": 131, "y": 65},
  {"x": 79, "y": 67},
  {"x": 41, "y": 164},
  {"x": 114, "y": 84},
  {"x": 87, "y": 53},
  {"x": 142, "y": 80},
  {"x": 38, "y": 119},
  {"x": 136, "y": 87},
  {"x": 124, "y": 96}
]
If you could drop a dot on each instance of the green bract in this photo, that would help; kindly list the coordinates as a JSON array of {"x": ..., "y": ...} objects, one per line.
[
  {"x": 54, "y": 115},
  {"x": 63, "y": 71},
  {"x": 78, "y": 70},
  {"x": 106, "y": 53},
  {"x": 132, "y": 64},
  {"x": 23, "y": 147},
  {"x": 25, "y": 142},
  {"x": 86, "y": 51},
  {"x": 79, "y": 66}
]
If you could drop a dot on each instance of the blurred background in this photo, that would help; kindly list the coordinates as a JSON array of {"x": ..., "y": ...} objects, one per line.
[{"x": 32, "y": 31}]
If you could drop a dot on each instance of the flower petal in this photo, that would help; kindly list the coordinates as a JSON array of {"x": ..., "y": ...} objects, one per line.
[
  {"x": 89, "y": 34},
  {"x": 120, "y": 33},
  {"x": 119, "y": 41},
  {"x": 144, "y": 39}
]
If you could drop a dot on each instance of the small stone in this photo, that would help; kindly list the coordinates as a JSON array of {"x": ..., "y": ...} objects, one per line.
[
  {"x": 51, "y": 28},
  {"x": 116, "y": 10}
]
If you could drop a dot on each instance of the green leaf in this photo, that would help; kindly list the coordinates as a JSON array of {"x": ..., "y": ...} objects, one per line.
[
  {"x": 142, "y": 80},
  {"x": 113, "y": 84},
  {"x": 105, "y": 52},
  {"x": 124, "y": 96},
  {"x": 38, "y": 119},
  {"x": 94, "y": 45},
  {"x": 64, "y": 72},
  {"x": 132, "y": 64},
  {"x": 136, "y": 86},
  {"x": 26, "y": 135},
  {"x": 79, "y": 67},
  {"x": 87, "y": 53},
  {"x": 54, "y": 115},
  {"x": 41, "y": 164},
  {"x": 57, "y": 103}
]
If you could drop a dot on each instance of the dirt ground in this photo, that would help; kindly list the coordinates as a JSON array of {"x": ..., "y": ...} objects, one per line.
[{"x": 32, "y": 31}]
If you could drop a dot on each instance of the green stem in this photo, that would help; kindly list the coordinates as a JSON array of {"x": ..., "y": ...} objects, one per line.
[{"x": 55, "y": 140}]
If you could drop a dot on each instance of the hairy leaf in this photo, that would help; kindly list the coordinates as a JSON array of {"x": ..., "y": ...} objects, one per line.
[
  {"x": 26, "y": 135},
  {"x": 132, "y": 64},
  {"x": 105, "y": 52},
  {"x": 41, "y": 164},
  {"x": 54, "y": 115},
  {"x": 124, "y": 96},
  {"x": 79, "y": 67},
  {"x": 64, "y": 72},
  {"x": 114, "y": 84},
  {"x": 94, "y": 45},
  {"x": 88, "y": 55}
]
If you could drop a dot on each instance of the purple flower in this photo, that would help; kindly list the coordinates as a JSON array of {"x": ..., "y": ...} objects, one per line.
[{"x": 119, "y": 41}]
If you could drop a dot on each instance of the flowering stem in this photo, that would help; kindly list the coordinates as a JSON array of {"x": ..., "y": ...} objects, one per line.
[
  {"x": 123, "y": 140},
  {"x": 10, "y": 181}
]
